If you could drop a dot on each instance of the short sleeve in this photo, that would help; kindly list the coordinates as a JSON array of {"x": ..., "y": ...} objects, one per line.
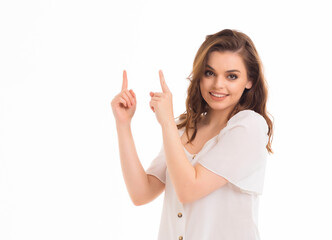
[
  {"x": 240, "y": 153},
  {"x": 157, "y": 167}
]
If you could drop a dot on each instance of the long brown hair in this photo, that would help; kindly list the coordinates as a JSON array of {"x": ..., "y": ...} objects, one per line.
[{"x": 254, "y": 98}]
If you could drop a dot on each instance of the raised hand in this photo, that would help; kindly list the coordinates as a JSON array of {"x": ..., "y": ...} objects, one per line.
[
  {"x": 161, "y": 102},
  {"x": 124, "y": 104}
]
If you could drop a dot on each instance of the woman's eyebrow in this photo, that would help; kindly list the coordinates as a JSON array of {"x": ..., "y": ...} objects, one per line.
[
  {"x": 210, "y": 67},
  {"x": 233, "y": 70}
]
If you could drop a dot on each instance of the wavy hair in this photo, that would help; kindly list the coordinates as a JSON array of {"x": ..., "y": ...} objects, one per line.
[{"x": 254, "y": 98}]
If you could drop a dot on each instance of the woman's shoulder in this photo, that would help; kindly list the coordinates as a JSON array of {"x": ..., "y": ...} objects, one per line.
[
  {"x": 245, "y": 115},
  {"x": 248, "y": 118}
]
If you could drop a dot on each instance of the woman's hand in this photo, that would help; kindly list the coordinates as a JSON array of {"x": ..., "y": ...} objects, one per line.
[
  {"x": 124, "y": 103},
  {"x": 161, "y": 102}
]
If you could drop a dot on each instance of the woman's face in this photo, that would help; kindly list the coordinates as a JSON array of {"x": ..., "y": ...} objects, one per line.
[{"x": 225, "y": 76}]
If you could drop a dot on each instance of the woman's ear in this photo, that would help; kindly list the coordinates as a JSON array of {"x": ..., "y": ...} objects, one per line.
[{"x": 249, "y": 84}]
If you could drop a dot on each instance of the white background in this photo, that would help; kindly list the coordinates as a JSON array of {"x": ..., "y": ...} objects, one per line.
[{"x": 61, "y": 64}]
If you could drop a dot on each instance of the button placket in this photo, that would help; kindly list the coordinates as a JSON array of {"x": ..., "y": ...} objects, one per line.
[{"x": 180, "y": 222}]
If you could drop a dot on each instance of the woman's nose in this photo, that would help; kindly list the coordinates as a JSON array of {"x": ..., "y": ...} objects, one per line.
[{"x": 220, "y": 81}]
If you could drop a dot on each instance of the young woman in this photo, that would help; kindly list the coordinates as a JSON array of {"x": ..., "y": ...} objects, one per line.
[{"x": 212, "y": 161}]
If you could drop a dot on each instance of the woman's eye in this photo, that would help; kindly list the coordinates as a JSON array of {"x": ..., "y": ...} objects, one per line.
[
  {"x": 208, "y": 73},
  {"x": 232, "y": 76}
]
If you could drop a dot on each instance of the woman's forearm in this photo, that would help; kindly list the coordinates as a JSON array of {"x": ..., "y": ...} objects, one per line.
[
  {"x": 180, "y": 170},
  {"x": 133, "y": 172}
]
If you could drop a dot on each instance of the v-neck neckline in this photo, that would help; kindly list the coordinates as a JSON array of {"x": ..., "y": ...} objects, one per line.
[
  {"x": 229, "y": 121},
  {"x": 208, "y": 141},
  {"x": 194, "y": 154}
]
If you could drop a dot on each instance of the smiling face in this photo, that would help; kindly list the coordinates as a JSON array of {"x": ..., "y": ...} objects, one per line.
[{"x": 224, "y": 80}]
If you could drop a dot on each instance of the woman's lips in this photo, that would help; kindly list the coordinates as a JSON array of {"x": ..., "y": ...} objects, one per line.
[{"x": 218, "y": 98}]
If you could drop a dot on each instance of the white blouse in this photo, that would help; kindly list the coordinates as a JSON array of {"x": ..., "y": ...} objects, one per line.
[{"x": 238, "y": 153}]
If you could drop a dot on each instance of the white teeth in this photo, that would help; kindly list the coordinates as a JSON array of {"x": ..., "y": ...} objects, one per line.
[{"x": 218, "y": 95}]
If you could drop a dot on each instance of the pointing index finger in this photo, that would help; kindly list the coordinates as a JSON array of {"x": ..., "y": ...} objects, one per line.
[
  {"x": 124, "y": 81},
  {"x": 163, "y": 84}
]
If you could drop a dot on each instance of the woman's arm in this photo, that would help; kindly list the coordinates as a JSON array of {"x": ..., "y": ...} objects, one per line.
[
  {"x": 180, "y": 170},
  {"x": 141, "y": 187},
  {"x": 190, "y": 183}
]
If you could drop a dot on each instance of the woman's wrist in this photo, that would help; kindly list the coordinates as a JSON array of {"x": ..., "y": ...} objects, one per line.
[{"x": 123, "y": 125}]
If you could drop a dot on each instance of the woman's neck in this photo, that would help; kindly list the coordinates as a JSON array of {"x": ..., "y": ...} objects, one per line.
[{"x": 215, "y": 119}]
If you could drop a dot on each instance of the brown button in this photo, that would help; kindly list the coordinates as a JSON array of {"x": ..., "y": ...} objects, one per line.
[
  {"x": 179, "y": 214},
  {"x": 180, "y": 238}
]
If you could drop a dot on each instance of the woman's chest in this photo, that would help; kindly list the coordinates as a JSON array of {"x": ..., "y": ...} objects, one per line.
[{"x": 198, "y": 143}]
